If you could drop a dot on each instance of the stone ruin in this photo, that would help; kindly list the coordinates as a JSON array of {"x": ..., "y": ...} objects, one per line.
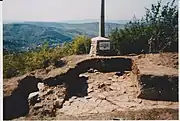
[{"x": 43, "y": 97}]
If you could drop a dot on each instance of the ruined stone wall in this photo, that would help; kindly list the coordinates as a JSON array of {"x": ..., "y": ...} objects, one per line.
[
  {"x": 16, "y": 104},
  {"x": 93, "y": 48},
  {"x": 155, "y": 82}
]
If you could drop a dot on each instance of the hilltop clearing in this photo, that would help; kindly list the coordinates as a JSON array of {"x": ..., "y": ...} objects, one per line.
[{"x": 97, "y": 88}]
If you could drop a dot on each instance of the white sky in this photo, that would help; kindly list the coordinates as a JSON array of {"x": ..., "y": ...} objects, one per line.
[{"x": 62, "y": 10}]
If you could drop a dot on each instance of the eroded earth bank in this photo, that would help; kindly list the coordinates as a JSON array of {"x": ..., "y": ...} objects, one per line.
[{"x": 84, "y": 87}]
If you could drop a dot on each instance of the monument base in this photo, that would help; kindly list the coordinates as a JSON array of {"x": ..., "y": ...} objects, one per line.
[{"x": 100, "y": 46}]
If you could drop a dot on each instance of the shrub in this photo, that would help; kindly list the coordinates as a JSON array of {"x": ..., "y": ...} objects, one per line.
[
  {"x": 157, "y": 31},
  {"x": 20, "y": 63},
  {"x": 81, "y": 45}
]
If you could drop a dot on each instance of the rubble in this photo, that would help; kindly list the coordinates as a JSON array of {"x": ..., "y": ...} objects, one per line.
[
  {"x": 40, "y": 86},
  {"x": 91, "y": 70},
  {"x": 33, "y": 98},
  {"x": 109, "y": 78},
  {"x": 119, "y": 74},
  {"x": 114, "y": 90},
  {"x": 95, "y": 70},
  {"x": 52, "y": 98},
  {"x": 32, "y": 95}
]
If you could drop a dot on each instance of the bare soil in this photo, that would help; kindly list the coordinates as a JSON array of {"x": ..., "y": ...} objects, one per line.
[
  {"x": 163, "y": 59},
  {"x": 109, "y": 96}
]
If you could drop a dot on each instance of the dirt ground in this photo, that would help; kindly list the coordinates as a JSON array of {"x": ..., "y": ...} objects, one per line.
[
  {"x": 169, "y": 60},
  {"x": 110, "y": 93},
  {"x": 111, "y": 96}
]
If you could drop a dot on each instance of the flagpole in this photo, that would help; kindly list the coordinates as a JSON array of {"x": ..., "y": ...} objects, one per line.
[{"x": 102, "y": 21}]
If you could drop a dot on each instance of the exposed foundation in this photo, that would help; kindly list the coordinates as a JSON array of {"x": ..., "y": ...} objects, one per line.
[{"x": 143, "y": 83}]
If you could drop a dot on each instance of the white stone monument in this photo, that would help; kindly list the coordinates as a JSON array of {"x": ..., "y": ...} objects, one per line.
[{"x": 101, "y": 45}]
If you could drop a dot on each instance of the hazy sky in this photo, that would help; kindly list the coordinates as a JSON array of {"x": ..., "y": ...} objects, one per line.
[{"x": 61, "y": 10}]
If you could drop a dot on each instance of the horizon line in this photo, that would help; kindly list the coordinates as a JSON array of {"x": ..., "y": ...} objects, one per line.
[{"x": 66, "y": 21}]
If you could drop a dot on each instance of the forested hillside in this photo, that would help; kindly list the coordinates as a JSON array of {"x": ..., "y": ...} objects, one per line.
[{"x": 29, "y": 35}]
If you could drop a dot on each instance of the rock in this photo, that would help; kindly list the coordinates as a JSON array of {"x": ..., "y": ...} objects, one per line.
[
  {"x": 132, "y": 106},
  {"x": 123, "y": 77},
  {"x": 58, "y": 104},
  {"x": 73, "y": 97},
  {"x": 90, "y": 90},
  {"x": 81, "y": 99},
  {"x": 51, "y": 67},
  {"x": 84, "y": 75},
  {"x": 114, "y": 80},
  {"x": 95, "y": 70},
  {"x": 132, "y": 85},
  {"x": 45, "y": 93},
  {"x": 81, "y": 75},
  {"x": 51, "y": 99},
  {"x": 40, "y": 86},
  {"x": 97, "y": 73},
  {"x": 101, "y": 96},
  {"x": 37, "y": 106},
  {"x": 54, "y": 98},
  {"x": 127, "y": 72},
  {"x": 91, "y": 70},
  {"x": 113, "y": 88},
  {"x": 115, "y": 76},
  {"x": 67, "y": 103},
  {"x": 71, "y": 101},
  {"x": 108, "y": 83},
  {"x": 140, "y": 101},
  {"x": 48, "y": 98},
  {"x": 109, "y": 78},
  {"x": 119, "y": 73},
  {"x": 61, "y": 100},
  {"x": 38, "y": 99},
  {"x": 88, "y": 97},
  {"x": 33, "y": 95},
  {"x": 61, "y": 94},
  {"x": 101, "y": 85},
  {"x": 33, "y": 98},
  {"x": 117, "y": 119}
]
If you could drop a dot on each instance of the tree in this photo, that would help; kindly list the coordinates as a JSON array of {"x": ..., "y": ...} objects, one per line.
[
  {"x": 157, "y": 31},
  {"x": 81, "y": 45}
]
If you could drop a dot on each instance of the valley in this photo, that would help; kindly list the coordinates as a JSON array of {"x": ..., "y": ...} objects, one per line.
[{"x": 25, "y": 36}]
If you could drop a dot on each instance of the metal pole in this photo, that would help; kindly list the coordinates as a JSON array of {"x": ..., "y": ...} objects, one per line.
[{"x": 102, "y": 21}]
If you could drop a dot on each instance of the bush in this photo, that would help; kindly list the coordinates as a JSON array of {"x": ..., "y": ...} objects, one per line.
[
  {"x": 156, "y": 32},
  {"x": 81, "y": 45},
  {"x": 20, "y": 63}
]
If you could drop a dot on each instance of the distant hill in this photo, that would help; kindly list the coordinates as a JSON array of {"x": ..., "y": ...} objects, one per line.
[
  {"x": 25, "y": 36},
  {"x": 95, "y": 20}
]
